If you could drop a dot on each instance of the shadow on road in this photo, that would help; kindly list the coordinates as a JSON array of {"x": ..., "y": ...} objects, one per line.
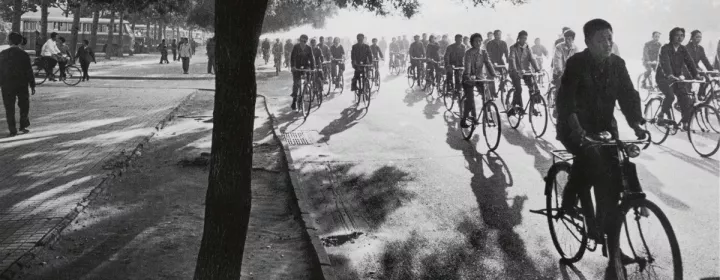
[
  {"x": 348, "y": 118},
  {"x": 413, "y": 95},
  {"x": 432, "y": 107}
]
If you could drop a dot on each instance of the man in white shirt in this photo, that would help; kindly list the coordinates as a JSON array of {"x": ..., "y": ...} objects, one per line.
[{"x": 49, "y": 52}]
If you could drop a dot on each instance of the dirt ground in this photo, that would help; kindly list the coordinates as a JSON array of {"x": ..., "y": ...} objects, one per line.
[{"x": 148, "y": 223}]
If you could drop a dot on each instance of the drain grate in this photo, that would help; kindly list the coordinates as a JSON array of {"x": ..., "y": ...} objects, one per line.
[{"x": 298, "y": 138}]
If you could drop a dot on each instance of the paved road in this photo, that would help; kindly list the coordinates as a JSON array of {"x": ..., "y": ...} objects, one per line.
[
  {"x": 76, "y": 132},
  {"x": 396, "y": 192}
]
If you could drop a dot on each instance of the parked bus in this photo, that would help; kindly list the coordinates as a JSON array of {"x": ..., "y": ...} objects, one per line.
[{"x": 63, "y": 27}]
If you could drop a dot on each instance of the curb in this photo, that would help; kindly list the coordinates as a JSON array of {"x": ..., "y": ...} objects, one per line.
[
  {"x": 51, "y": 237},
  {"x": 152, "y": 78},
  {"x": 310, "y": 229}
]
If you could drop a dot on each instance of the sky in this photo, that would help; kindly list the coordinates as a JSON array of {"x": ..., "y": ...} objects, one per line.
[{"x": 632, "y": 21}]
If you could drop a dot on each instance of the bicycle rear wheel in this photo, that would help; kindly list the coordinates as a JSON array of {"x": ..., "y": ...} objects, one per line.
[
  {"x": 73, "y": 75},
  {"x": 568, "y": 233},
  {"x": 652, "y": 114},
  {"x": 704, "y": 132},
  {"x": 538, "y": 115},
  {"x": 410, "y": 77},
  {"x": 449, "y": 98},
  {"x": 513, "y": 119},
  {"x": 40, "y": 74},
  {"x": 376, "y": 83},
  {"x": 644, "y": 234},
  {"x": 491, "y": 125}
]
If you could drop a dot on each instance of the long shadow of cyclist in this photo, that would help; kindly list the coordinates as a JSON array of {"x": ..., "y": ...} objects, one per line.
[{"x": 348, "y": 118}]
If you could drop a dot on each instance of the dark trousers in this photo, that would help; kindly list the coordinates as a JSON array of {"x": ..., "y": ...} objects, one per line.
[
  {"x": 185, "y": 64},
  {"x": 85, "y": 65},
  {"x": 670, "y": 92},
  {"x": 449, "y": 78},
  {"x": 174, "y": 55},
  {"x": 517, "y": 96},
  {"x": 62, "y": 65},
  {"x": 49, "y": 65},
  {"x": 296, "y": 84},
  {"x": 164, "y": 57},
  {"x": 469, "y": 104},
  {"x": 22, "y": 97},
  {"x": 212, "y": 68}
]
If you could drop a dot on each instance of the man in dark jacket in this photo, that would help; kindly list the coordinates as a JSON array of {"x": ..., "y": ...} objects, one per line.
[
  {"x": 15, "y": 76},
  {"x": 338, "y": 56},
  {"x": 359, "y": 55},
  {"x": 697, "y": 53},
  {"x": 455, "y": 56},
  {"x": 39, "y": 42},
  {"x": 174, "y": 48},
  {"x": 210, "y": 49},
  {"x": 432, "y": 52},
  {"x": 86, "y": 55},
  {"x": 673, "y": 56},
  {"x": 377, "y": 54},
  {"x": 301, "y": 57},
  {"x": 417, "y": 50}
]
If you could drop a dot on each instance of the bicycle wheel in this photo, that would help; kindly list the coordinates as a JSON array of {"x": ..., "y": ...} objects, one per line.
[
  {"x": 73, "y": 75},
  {"x": 643, "y": 233},
  {"x": 366, "y": 92},
  {"x": 544, "y": 78},
  {"x": 449, "y": 98},
  {"x": 40, "y": 75},
  {"x": 341, "y": 82},
  {"x": 568, "y": 233},
  {"x": 429, "y": 87},
  {"x": 440, "y": 81},
  {"x": 491, "y": 125},
  {"x": 550, "y": 97},
  {"x": 376, "y": 83},
  {"x": 410, "y": 77},
  {"x": 319, "y": 95},
  {"x": 467, "y": 132},
  {"x": 538, "y": 115},
  {"x": 704, "y": 132},
  {"x": 307, "y": 99},
  {"x": 514, "y": 119},
  {"x": 651, "y": 114},
  {"x": 505, "y": 97}
]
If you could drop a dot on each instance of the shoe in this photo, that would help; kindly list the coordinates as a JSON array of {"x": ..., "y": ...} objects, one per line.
[
  {"x": 24, "y": 130},
  {"x": 12, "y": 134},
  {"x": 293, "y": 106},
  {"x": 685, "y": 127},
  {"x": 185, "y": 73}
]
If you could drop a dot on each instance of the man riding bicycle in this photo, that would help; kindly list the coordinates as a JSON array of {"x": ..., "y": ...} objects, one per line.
[
  {"x": 417, "y": 50},
  {"x": 359, "y": 55},
  {"x": 338, "y": 53},
  {"x": 563, "y": 52},
  {"x": 288, "y": 49},
  {"x": 497, "y": 49},
  {"x": 454, "y": 57},
  {"x": 377, "y": 55},
  {"x": 300, "y": 57},
  {"x": 50, "y": 54},
  {"x": 433, "y": 55},
  {"x": 520, "y": 60},
  {"x": 697, "y": 53},
  {"x": 673, "y": 58},
  {"x": 318, "y": 59},
  {"x": 395, "y": 54},
  {"x": 277, "y": 51},
  {"x": 595, "y": 79},
  {"x": 266, "y": 49},
  {"x": 651, "y": 54},
  {"x": 475, "y": 59}
]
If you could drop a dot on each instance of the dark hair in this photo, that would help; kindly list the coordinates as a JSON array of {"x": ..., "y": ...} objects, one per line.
[
  {"x": 521, "y": 33},
  {"x": 497, "y": 31},
  {"x": 565, "y": 29},
  {"x": 62, "y": 39},
  {"x": 86, "y": 42},
  {"x": 694, "y": 32},
  {"x": 475, "y": 36},
  {"x": 458, "y": 35},
  {"x": 655, "y": 32},
  {"x": 15, "y": 38},
  {"x": 374, "y": 39},
  {"x": 569, "y": 33},
  {"x": 676, "y": 29},
  {"x": 595, "y": 25},
  {"x": 489, "y": 33},
  {"x": 359, "y": 35},
  {"x": 53, "y": 35},
  {"x": 321, "y": 38}
]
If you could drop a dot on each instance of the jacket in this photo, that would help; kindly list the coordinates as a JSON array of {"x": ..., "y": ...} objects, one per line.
[
  {"x": 417, "y": 49},
  {"x": 433, "y": 51},
  {"x": 184, "y": 50},
  {"x": 562, "y": 53},
  {"x": 301, "y": 56},
  {"x": 521, "y": 58},
  {"x": 361, "y": 53},
  {"x": 475, "y": 59},
  {"x": 210, "y": 47},
  {"x": 697, "y": 53},
  {"x": 15, "y": 70},
  {"x": 376, "y": 52},
  {"x": 496, "y": 49},
  {"x": 455, "y": 55},
  {"x": 651, "y": 51},
  {"x": 672, "y": 62},
  {"x": 85, "y": 54}
]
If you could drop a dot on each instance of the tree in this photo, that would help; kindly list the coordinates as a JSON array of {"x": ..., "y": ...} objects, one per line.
[
  {"x": 12, "y": 11},
  {"x": 111, "y": 31},
  {"x": 94, "y": 27},
  {"x": 76, "y": 9}
]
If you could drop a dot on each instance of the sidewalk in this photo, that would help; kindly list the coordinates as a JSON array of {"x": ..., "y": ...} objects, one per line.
[{"x": 77, "y": 135}]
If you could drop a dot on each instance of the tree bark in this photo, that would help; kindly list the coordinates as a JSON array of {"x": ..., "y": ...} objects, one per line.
[
  {"x": 94, "y": 28},
  {"x": 121, "y": 40},
  {"x": 75, "y": 27},
  {"x": 44, "y": 18},
  {"x": 228, "y": 198},
  {"x": 111, "y": 30},
  {"x": 17, "y": 15}
]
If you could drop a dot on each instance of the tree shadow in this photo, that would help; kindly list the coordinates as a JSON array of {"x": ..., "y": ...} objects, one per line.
[{"x": 348, "y": 118}]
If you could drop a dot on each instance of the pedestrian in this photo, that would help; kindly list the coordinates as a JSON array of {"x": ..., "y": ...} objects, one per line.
[
  {"x": 210, "y": 48},
  {"x": 65, "y": 56},
  {"x": 174, "y": 47},
  {"x": 163, "y": 52},
  {"x": 85, "y": 54},
  {"x": 39, "y": 41},
  {"x": 185, "y": 55},
  {"x": 15, "y": 76},
  {"x": 193, "y": 46}
]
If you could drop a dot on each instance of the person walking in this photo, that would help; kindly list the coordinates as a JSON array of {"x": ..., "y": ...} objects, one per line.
[
  {"x": 185, "y": 55},
  {"x": 174, "y": 48},
  {"x": 163, "y": 52},
  {"x": 85, "y": 54},
  {"x": 15, "y": 76},
  {"x": 210, "y": 48},
  {"x": 39, "y": 41}
]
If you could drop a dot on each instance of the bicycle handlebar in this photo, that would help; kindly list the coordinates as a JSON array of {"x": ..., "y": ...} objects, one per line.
[{"x": 593, "y": 141}]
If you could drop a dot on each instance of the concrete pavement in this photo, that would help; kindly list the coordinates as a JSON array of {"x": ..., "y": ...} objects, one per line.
[{"x": 394, "y": 192}]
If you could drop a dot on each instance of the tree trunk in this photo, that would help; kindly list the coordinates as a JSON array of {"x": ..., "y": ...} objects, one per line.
[
  {"x": 121, "y": 40},
  {"x": 111, "y": 30},
  {"x": 132, "y": 30},
  {"x": 148, "y": 41},
  {"x": 76, "y": 27},
  {"x": 44, "y": 18},
  {"x": 228, "y": 198},
  {"x": 94, "y": 28},
  {"x": 17, "y": 15}
]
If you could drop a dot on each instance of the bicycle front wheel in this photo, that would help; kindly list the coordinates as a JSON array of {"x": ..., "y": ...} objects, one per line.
[
  {"x": 491, "y": 125},
  {"x": 538, "y": 115},
  {"x": 73, "y": 75},
  {"x": 307, "y": 99},
  {"x": 658, "y": 132},
  {"x": 704, "y": 132},
  {"x": 366, "y": 93},
  {"x": 644, "y": 234},
  {"x": 470, "y": 122},
  {"x": 40, "y": 75},
  {"x": 568, "y": 232},
  {"x": 552, "y": 92},
  {"x": 410, "y": 77}
]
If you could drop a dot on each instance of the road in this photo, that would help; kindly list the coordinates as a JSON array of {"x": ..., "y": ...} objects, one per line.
[{"x": 396, "y": 193}]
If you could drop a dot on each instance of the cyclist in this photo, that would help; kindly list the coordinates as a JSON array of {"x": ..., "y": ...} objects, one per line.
[
  {"x": 444, "y": 43},
  {"x": 377, "y": 55},
  {"x": 405, "y": 44},
  {"x": 497, "y": 49},
  {"x": 417, "y": 50},
  {"x": 337, "y": 52},
  {"x": 50, "y": 54},
  {"x": 454, "y": 57},
  {"x": 318, "y": 59},
  {"x": 288, "y": 49},
  {"x": 595, "y": 79},
  {"x": 673, "y": 57},
  {"x": 697, "y": 53},
  {"x": 424, "y": 40},
  {"x": 266, "y": 50},
  {"x": 540, "y": 52},
  {"x": 394, "y": 52},
  {"x": 563, "y": 52},
  {"x": 520, "y": 60},
  {"x": 359, "y": 55},
  {"x": 651, "y": 53},
  {"x": 560, "y": 40},
  {"x": 487, "y": 40},
  {"x": 383, "y": 44},
  {"x": 324, "y": 48},
  {"x": 475, "y": 59},
  {"x": 433, "y": 53},
  {"x": 277, "y": 51},
  {"x": 466, "y": 42},
  {"x": 301, "y": 56}
]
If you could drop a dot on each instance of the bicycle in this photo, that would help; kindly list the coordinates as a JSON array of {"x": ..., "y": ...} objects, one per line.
[
  {"x": 73, "y": 74},
  {"x": 450, "y": 94},
  {"x": 278, "y": 65},
  {"x": 395, "y": 64},
  {"x": 503, "y": 82},
  {"x": 653, "y": 115},
  {"x": 536, "y": 105},
  {"x": 652, "y": 87},
  {"x": 580, "y": 226},
  {"x": 307, "y": 89},
  {"x": 362, "y": 95},
  {"x": 413, "y": 76},
  {"x": 489, "y": 114},
  {"x": 431, "y": 76},
  {"x": 339, "y": 80},
  {"x": 375, "y": 76},
  {"x": 327, "y": 81},
  {"x": 704, "y": 124}
]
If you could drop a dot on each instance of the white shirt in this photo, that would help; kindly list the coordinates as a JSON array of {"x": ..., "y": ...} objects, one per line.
[{"x": 50, "y": 48}]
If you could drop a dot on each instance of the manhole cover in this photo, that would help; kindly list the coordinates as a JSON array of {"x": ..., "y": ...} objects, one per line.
[{"x": 300, "y": 138}]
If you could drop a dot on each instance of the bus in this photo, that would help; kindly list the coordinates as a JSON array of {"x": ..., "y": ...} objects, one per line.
[{"x": 63, "y": 27}]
